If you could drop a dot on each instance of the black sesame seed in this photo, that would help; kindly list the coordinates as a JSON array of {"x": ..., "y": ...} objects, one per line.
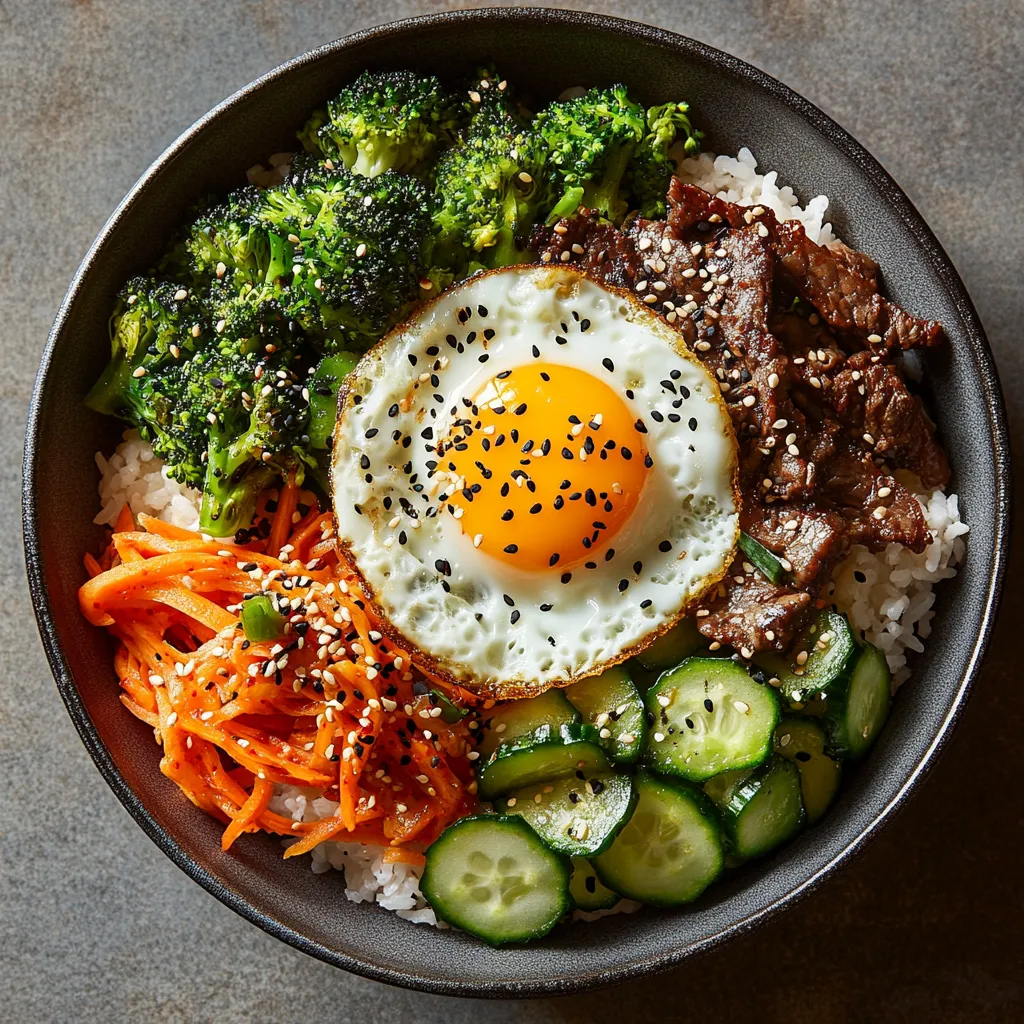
[
  {"x": 657, "y": 416},
  {"x": 637, "y": 567},
  {"x": 709, "y": 705},
  {"x": 507, "y": 515},
  {"x": 511, "y": 549},
  {"x": 608, "y": 364},
  {"x": 665, "y": 545},
  {"x": 561, "y": 341},
  {"x": 546, "y": 607},
  {"x": 443, "y": 566},
  {"x": 584, "y": 325},
  {"x": 623, "y": 584},
  {"x": 520, "y": 409},
  {"x": 692, "y": 424},
  {"x": 371, "y": 433},
  {"x": 534, "y": 509},
  {"x": 648, "y": 461},
  {"x": 508, "y": 600},
  {"x": 565, "y": 485},
  {"x": 553, "y": 560},
  {"x": 566, "y": 576},
  {"x": 646, "y": 603},
  {"x": 626, "y": 453},
  {"x": 536, "y": 352},
  {"x": 559, "y": 502},
  {"x": 609, "y": 554},
  {"x": 566, "y": 454},
  {"x": 514, "y": 617}
]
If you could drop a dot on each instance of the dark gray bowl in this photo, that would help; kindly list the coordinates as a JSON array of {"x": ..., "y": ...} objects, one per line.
[{"x": 543, "y": 52}]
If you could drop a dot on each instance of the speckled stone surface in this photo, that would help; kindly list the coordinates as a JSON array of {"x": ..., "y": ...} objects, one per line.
[{"x": 97, "y": 925}]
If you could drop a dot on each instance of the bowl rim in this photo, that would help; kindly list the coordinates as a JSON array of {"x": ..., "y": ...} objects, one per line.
[{"x": 983, "y": 367}]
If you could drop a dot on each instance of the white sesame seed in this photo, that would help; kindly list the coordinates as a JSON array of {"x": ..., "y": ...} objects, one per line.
[
  {"x": 749, "y": 400},
  {"x": 361, "y": 250},
  {"x": 884, "y": 492}
]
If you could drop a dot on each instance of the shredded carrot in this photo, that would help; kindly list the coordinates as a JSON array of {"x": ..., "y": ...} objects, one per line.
[{"x": 327, "y": 708}]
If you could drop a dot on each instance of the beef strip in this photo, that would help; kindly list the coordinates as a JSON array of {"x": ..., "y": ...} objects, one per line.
[
  {"x": 871, "y": 398},
  {"x": 755, "y": 616}
]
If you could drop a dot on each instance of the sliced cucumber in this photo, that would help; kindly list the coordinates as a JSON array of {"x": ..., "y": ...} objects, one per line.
[
  {"x": 767, "y": 563},
  {"x": 576, "y": 816},
  {"x": 858, "y": 704},
  {"x": 672, "y": 647},
  {"x": 803, "y": 742},
  {"x": 545, "y": 754},
  {"x": 669, "y": 851},
  {"x": 825, "y": 649},
  {"x": 760, "y": 808},
  {"x": 492, "y": 877},
  {"x": 507, "y": 722},
  {"x": 710, "y": 717},
  {"x": 612, "y": 704},
  {"x": 587, "y": 891}
]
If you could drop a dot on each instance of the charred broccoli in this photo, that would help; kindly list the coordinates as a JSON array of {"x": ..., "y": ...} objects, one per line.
[{"x": 490, "y": 186}]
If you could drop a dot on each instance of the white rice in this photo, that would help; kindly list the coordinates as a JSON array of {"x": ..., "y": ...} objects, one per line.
[
  {"x": 133, "y": 474},
  {"x": 736, "y": 180},
  {"x": 891, "y": 604}
]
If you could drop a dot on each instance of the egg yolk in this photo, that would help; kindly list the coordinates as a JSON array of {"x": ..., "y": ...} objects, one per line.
[{"x": 544, "y": 467}]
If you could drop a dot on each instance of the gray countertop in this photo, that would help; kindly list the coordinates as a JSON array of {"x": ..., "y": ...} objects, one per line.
[{"x": 97, "y": 925}]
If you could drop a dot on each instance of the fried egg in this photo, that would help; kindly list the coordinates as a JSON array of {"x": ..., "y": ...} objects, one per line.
[{"x": 533, "y": 479}]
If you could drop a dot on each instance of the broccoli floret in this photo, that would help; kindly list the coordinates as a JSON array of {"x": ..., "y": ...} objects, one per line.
[
  {"x": 490, "y": 187},
  {"x": 232, "y": 242},
  {"x": 257, "y": 434},
  {"x": 361, "y": 259},
  {"x": 590, "y": 141},
  {"x": 384, "y": 121},
  {"x": 153, "y": 321},
  {"x": 652, "y": 168}
]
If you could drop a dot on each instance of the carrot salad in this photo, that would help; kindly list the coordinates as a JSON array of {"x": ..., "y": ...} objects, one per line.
[{"x": 328, "y": 704}]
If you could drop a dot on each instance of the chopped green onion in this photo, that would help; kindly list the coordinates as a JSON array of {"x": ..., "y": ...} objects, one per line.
[
  {"x": 261, "y": 620},
  {"x": 761, "y": 557},
  {"x": 450, "y": 713}
]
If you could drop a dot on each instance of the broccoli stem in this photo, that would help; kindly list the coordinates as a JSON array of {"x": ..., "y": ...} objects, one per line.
[{"x": 233, "y": 482}]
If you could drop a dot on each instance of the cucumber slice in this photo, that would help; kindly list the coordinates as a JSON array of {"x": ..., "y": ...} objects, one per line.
[
  {"x": 612, "y": 704},
  {"x": 767, "y": 563},
  {"x": 672, "y": 647},
  {"x": 858, "y": 704},
  {"x": 547, "y": 753},
  {"x": 507, "y": 722},
  {"x": 587, "y": 891},
  {"x": 803, "y": 742},
  {"x": 670, "y": 850},
  {"x": 710, "y": 717},
  {"x": 829, "y": 645},
  {"x": 573, "y": 815},
  {"x": 761, "y": 808},
  {"x": 493, "y": 877}
]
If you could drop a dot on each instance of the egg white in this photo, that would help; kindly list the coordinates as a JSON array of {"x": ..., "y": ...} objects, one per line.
[{"x": 459, "y": 623}]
